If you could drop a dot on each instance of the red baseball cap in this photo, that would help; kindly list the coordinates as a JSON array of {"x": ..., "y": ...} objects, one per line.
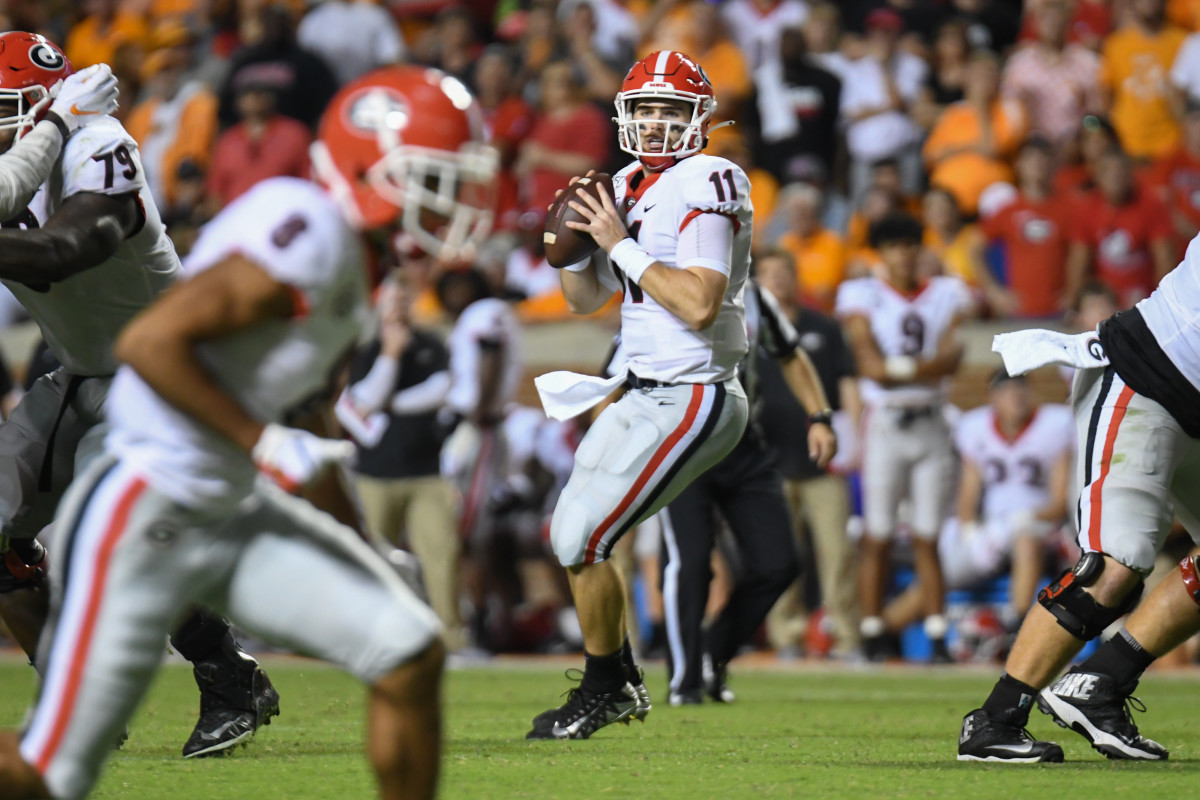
[{"x": 884, "y": 19}]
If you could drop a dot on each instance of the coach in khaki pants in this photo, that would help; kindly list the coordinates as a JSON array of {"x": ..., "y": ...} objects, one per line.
[
  {"x": 397, "y": 384},
  {"x": 819, "y": 500}
]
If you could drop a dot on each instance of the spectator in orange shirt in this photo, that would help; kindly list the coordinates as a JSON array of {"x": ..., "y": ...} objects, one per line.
[
  {"x": 819, "y": 253},
  {"x": 1177, "y": 178},
  {"x": 958, "y": 247},
  {"x": 722, "y": 59},
  {"x": 98, "y": 36},
  {"x": 1136, "y": 62},
  {"x": 177, "y": 122},
  {"x": 968, "y": 147},
  {"x": 569, "y": 137},
  {"x": 263, "y": 145},
  {"x": 1122, "y": 234},
  {"x": 1034, "y": 230}
]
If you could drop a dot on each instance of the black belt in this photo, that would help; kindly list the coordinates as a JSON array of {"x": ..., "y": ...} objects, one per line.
[{"x": 634, "y": 382}]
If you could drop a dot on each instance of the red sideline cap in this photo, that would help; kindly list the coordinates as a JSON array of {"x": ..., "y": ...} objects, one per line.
[{"x": 886, "y": 19}]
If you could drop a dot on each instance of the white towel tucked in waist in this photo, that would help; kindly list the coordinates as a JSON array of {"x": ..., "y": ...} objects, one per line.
[
  {"x": 1025, "y": 351},
  {"x": 569, "y": 394}
]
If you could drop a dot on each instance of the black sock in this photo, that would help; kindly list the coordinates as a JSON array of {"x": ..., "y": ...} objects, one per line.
[
  {"x": 199, "y": 635},
  {"x": 1121, "y": 658},
  {"x": 631, "y": 668},
  {"x": 603, "y": 673},
  {"x": 1010, "y": 700}
]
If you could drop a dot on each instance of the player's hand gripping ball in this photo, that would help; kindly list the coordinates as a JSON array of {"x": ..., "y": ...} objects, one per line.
[{"x": 565, "y": 246}]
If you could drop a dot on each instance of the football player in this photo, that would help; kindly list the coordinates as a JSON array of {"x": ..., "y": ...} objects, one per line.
[
  {"x": 1137, "y": 418},
  {"x": 903, "y": 331},
  {"x": 1016, "y": 459},
  {"x": 173, "y": 511},
  {"x": 677, "y": 236},
  {"x": 83, "y": 255}
]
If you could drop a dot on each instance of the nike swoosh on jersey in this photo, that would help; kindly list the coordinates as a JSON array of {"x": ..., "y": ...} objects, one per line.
[
  {"x": 647, "y": 208},
  {"x": 79, "y": 112}
]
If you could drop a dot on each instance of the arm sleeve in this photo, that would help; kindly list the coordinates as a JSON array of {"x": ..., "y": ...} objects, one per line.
[
  {"x": 706, "y": 241},
  {"x": 25, "y": 166},
  {"x": 370, "y": 393},
  {"x": 851, "y": 299},
  {"x": 428, "y": 395}
]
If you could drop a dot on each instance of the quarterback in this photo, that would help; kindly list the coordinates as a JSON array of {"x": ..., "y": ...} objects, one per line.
[{"x": 677, "y": 235}]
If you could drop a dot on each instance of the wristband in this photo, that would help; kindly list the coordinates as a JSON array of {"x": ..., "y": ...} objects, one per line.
[
  {"x": 57, "y": 122},
  {"x": 822, "y": 418},
  {"x": 900, "y": 368},
  {"x": 632, "y": 258}
]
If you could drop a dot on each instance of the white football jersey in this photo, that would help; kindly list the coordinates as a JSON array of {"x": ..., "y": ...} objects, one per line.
[
  {"x": 904, "y": 325},
  {"x": 485, "y": 321},
  {"x": 81, "y": 316},
  {"x": 1172, "y": 313},
  {"x": 294, "y": 231},
  {"x": 658, "y": 208},
  {"x": 1016, "y": 473}
]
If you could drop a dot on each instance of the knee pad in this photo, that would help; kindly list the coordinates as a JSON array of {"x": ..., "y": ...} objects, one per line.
[
  {"x": 1191, "y": 580},
  {"x": 24, "y": 564},
  {"x": 1077, "y": 611}
]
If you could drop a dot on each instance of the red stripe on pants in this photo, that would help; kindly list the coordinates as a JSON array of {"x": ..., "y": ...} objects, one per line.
[
  {"x": 667, "y": 446},
  {"x": 1105, "y": 463},
  {"x": 116, "y": 527}
]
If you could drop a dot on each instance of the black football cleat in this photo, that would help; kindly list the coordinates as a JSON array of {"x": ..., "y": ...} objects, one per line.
[
  {"x": 1097, "y": 709},
  {"x": 638, "y": 682},
  {"x": 236, "y": 698},
  {"x": 716, "y": 680},
  {"x": 584, "y": 713},
  {"x": 984, "y": 738}
]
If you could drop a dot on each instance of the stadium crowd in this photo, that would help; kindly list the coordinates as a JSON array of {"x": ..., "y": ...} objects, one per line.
[{"x": 1049, "y": 149}]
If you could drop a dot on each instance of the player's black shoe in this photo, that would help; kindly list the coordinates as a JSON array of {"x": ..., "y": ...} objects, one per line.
[
  {"x": 940, "y": 653},
  {"x": 1096, "y": 708},
  {"x": 687, "y": 697},
  {"x": 584, "y": 713},
  {"x": 236, "y": 697},
  {"x": 638, "y": 682},
  {"x": 987, "y": 738}
]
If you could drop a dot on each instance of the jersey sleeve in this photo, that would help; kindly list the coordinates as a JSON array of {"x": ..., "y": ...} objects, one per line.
[
  {"x": 714, "y": 189},
  {"x": 102, "y": 159},
  {"x": 296, "y": 236},
  {"x": 853, "y": 297},
  {"x": 966, "y": 436},
  {"x": 485, "y": 322}
]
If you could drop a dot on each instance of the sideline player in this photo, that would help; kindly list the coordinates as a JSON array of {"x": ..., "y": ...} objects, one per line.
[
  {"x": 1016, "y": 459},
  {"x": 747, "y": 490},
  {"x": 83, "y": 257},
  {"x": 904, "y": 334},
  {"x": 679, "y": 248},
  {"x": 174, "y": 511},
  {"x": 1138, "y": 421}
]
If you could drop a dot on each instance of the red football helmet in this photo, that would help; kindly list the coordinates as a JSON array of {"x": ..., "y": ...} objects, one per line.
[
  {"x": 408, "y": 142},
  {"x": 665, "y": 75},
  {"x": 31, "y": 69}
]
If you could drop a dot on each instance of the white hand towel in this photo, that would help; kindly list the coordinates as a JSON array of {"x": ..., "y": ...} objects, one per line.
[
  {"x": 1025, "y": 351},
  {"x": 569, "y": 394}
]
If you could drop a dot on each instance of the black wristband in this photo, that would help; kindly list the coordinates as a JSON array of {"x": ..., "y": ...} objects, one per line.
[
  {"x": 58, "y": 123},
  {"x": 822, "y": 418}
]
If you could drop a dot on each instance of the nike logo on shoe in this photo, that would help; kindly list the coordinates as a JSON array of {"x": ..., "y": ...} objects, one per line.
[
  {"x": 1078, "y": 685},
  {"x": 1018, "y": 749},
  {"x": 219, "y": 732}
]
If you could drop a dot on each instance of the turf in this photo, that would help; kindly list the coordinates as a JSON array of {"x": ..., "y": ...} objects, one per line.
[{"x": 848, "y": 733}]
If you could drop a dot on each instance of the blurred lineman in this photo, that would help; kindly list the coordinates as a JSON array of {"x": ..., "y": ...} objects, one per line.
[
  {"x": 84, "y": 254},
  {"x": 1136, "y": 399},
  {"x": 175, "y": 512},
  {"x": 677, "y": 234},
  {"x": 747, "y": 490},
  {"x": 903, "y": 331}
]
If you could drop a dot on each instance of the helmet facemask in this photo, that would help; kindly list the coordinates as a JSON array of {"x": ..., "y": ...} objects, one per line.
[
  {"x": 28, "y": 104},
  {"x": 632, "y": 132}
]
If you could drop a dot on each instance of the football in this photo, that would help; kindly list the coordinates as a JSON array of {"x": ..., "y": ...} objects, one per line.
[{"x": 565, "y": 246}]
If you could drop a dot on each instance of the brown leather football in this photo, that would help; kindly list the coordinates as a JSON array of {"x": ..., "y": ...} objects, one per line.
[{"x": 565, "y": 246}]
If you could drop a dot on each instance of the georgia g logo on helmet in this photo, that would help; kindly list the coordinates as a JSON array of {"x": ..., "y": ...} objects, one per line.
[{"x": 46, "y": 57}]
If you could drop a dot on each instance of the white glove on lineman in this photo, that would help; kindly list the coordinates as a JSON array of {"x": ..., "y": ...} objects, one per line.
[
  {"x": 87, "y": 95},
  {"x": 294, "y": 458}
]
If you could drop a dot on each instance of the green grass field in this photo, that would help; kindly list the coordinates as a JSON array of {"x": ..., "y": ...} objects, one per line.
[{"x": 838, "y": 733}]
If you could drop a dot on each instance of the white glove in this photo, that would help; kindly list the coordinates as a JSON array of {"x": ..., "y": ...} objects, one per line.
[
  {"x": 294, "y": 458},
  {"x": 87, "y": 95}
]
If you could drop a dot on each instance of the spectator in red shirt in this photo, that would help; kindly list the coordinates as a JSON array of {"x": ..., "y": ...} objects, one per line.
[
  {"x": 510, "y": 119},
  {"x": 1177, "y": 178},
  {"x": 1034, "y": 229},
  {"x": 569, "y": 137},
  {"x": 1123, "y": 234},
  {"x": 264, "y": 144}
]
